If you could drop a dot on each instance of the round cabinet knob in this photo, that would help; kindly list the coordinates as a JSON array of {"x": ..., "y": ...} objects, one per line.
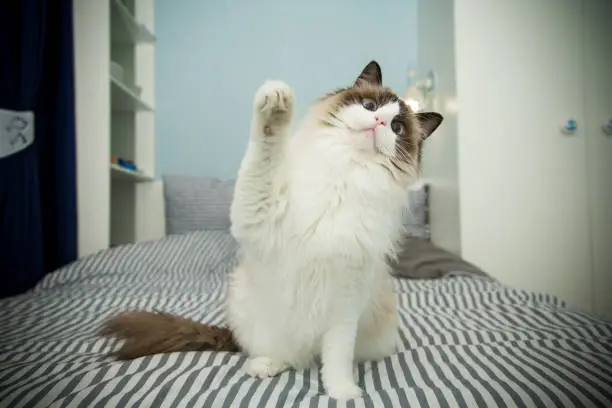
[
  {"x": 569, "y": 127},
  {"x": 607, "y": 127}
]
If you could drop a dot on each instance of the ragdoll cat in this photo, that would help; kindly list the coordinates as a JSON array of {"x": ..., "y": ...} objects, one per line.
[{"x": 317, "y": 217}]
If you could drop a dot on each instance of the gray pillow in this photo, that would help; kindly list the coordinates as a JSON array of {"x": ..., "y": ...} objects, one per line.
[
  {"x": 416, "y": 219},
  {"x": 197, "y": 204},
  {"x": 421, "y": 259}
]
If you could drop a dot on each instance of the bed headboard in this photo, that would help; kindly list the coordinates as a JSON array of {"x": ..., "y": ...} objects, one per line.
[{"x": 184, "y": 204}]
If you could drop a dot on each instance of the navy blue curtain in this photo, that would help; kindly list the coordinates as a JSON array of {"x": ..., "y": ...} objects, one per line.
[{"x": 38, "y": 219}]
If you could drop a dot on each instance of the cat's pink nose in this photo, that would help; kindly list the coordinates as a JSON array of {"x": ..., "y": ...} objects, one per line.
[{"x": 378, "y": 123}]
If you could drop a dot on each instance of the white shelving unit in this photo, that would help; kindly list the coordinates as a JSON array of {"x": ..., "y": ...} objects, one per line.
[
  {"x": 132, "y": 115},
  {"x": 116, "y": 117}
]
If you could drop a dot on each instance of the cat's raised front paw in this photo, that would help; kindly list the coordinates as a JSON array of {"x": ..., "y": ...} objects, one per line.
[{"x": 274, "y": 102}]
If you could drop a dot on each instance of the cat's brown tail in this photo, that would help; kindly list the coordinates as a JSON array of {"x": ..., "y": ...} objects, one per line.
[{"x": 147, "y": 333}]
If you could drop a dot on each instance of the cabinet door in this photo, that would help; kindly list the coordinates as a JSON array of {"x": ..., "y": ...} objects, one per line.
[
  {"x": 598, "y": 105},
  {"x": 523, "y": 195}
]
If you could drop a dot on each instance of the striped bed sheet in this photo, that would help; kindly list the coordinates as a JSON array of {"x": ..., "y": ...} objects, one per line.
[{"x": 465, "y": 342}]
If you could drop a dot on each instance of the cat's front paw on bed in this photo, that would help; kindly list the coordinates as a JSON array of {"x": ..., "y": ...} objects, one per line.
[
  {"x": 274, "y": 103},
  {"x": 264, "y": 367},
  {"x": 344, "y": 391}
]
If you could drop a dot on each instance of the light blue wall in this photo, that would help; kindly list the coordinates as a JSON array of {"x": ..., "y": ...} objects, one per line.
[{"x": 212, "y": 56}]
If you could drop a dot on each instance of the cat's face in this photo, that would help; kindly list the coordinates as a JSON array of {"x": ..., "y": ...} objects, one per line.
[{"x": 376, "y": 122}]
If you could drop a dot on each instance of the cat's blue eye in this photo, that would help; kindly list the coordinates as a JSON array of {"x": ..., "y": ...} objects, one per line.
[
  {"x": 369, "y": 104},
  {"x": 397, "y": 127}
]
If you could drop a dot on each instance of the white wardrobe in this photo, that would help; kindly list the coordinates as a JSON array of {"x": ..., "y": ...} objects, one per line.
[{"x": 535, "y": 188}]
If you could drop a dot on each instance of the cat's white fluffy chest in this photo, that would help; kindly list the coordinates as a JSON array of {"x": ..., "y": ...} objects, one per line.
[{"x": 341, "y": 205}]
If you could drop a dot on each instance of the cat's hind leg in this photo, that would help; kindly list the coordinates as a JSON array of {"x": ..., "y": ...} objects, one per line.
[
  {"x": 254, "y": 198},
  {"x": 251, "y": 333},
  {"x": 377, "y": 334}
]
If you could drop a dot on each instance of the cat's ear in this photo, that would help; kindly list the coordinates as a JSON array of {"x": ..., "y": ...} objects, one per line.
[
  {"x": 371, "y": 75},
  {"x": 428, "y": 123}
]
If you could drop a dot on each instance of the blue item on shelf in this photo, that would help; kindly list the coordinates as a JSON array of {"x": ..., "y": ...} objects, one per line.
[{"x": 127, "y": 164}]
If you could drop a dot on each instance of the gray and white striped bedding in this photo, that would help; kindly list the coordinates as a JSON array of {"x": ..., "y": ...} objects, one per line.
[{"x": 466, "y": 342}]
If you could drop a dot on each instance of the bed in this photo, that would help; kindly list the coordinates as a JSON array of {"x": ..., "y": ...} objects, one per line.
[{"x": 466, "y": 341}]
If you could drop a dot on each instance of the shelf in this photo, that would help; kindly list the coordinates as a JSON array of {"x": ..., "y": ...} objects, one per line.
[
  {"x": 127, "y": 29},
  {"x": 125, "y": 99},
  {"x": 123, "y": 174}
]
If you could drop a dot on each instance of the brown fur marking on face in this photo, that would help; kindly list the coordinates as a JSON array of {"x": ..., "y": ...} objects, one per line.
[
  {"x": 356, "y": 95},
  {"x": 368, "y": 85},
  {"x": 407, "y": 145},
  {"x": 148, "y": 333}
]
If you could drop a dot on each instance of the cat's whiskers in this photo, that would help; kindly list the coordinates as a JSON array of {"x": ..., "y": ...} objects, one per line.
[
  {"x": 337, "y": 122},
  {"x": 404, "y": 156},
  {"x": 390, "y": 161},
  {"x": 398, "y": 154}
]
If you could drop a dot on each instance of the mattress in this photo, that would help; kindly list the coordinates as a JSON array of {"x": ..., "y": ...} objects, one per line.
[{"x": 466, "y": 341}]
